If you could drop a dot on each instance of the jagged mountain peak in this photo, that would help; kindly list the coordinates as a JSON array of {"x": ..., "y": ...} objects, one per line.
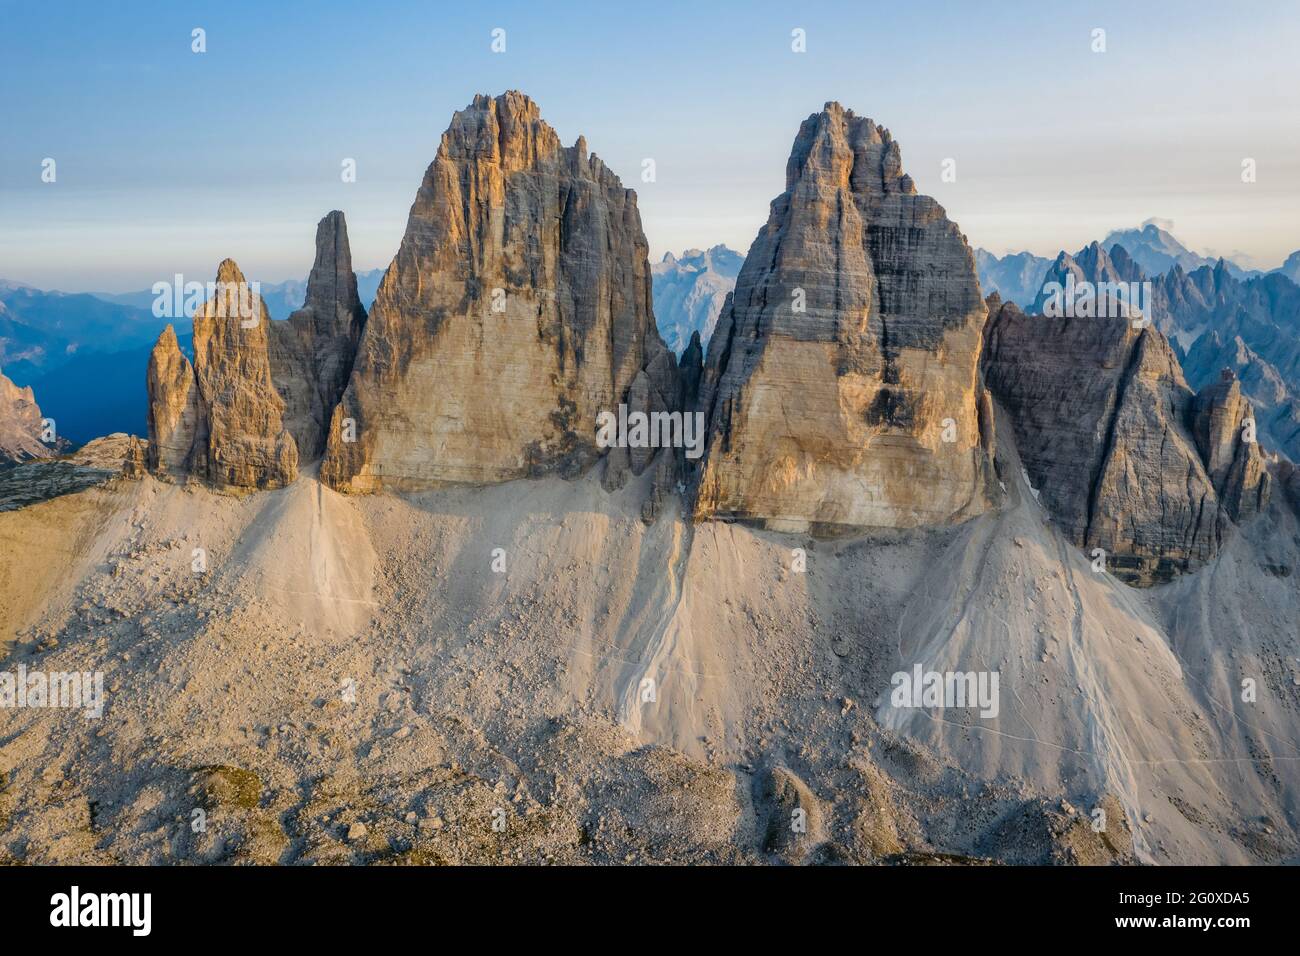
[
  {"x": 844, "y": 146},
  {"x": 1156, "y": 250},
  {"x": 228, "y": 271},
  {"x": 546, "y": 308},
  {"x": 820, "y": 380},
  {"x": 689, "y": 292},
  {"x": 20, "y": 424},
  {"x": 258, "y": 397}
]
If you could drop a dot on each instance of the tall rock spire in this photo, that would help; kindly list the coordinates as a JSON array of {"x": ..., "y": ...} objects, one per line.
[
  {"x": 312, "y": 353},
  {"x": 241, "y": 439},
  {"x": 516, "y": 310},
  {"x": 259, "y": 395},
  {"x": 173, "y": 415},
  {"x": 1225, "y": 430},
  {"x": 841, "y": 381}
]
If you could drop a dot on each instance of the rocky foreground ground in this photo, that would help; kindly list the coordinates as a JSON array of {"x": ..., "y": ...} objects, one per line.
[{"x": 349, "y": 680}]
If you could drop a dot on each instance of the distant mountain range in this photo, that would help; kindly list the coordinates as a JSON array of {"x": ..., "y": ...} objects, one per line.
[
  {"x": 689, "y": 291},
  {"x": 41, "y": 330},
  {"x": 1156, "y": 251},
  {"x": 1291, "y": 268},
  {"x": 1018, "y": 276}
]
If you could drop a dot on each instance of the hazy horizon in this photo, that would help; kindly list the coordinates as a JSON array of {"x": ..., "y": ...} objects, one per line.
[{"x": 159, "y": 172}]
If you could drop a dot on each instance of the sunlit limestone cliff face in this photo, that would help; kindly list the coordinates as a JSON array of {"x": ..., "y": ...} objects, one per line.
[
  {"x": 220, "y": 420},
  {"x": 259, "y": 395},
  {"x": 841, "y": 384},
  {"x": 517, "y": 309},
  {"x": 20, "y": 425}
]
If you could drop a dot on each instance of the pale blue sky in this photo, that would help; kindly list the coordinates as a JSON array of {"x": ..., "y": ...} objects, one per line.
[{"x": 169, "y": 161}]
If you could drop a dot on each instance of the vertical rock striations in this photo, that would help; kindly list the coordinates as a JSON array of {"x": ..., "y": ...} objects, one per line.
[
  {"x": 241, "y": 441},
  {"x": 173, "y": 415},
  {"x": 313, "y": 352},
  {"x": 259, "y": 395},
  {"x": 841, "y": 381},
  {"x": 1252, "y": 327},
  {"x": 220, "y": 420},
  {"x": 1224, "y": 427},
  {"x": 517, "y": 309}
]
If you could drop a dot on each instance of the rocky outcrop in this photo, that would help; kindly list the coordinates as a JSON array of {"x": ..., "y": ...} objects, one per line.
[
  {"x": 1252, "y": 327},
  {"x": 135, "y": 459},
  {"x": 841, "y": 381},
  {"x": 1214, "y": 317},
  {"x": 1116, "y": 446},
  {"x": 92, "y": 464},
  {"x": 1291, "y": 267},
  {"x": 259, "y": 396},
  {"x": 243, "y": 442},
  {"x": 20, "y": 425},
  {"x": 312, "y": 353},
  {"x": 221, "y": 420},
  {"x": 517, "y": 309},
  {"x": 690, "y": 371},
  {"x": 1288, "y": 481},
  {"x": 1225, "y": 430},
  {"x": 173, "y": 415}
]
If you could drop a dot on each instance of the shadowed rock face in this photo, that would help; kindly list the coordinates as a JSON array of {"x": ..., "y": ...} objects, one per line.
[
  {"x": 852, "y": 336},
  {"x": 44, "y": 478},
  {"x": 1252, "y": 327},
  {"x": 517, "y": 309},
  {"x": 1221, "y": 422},
  {"x": 313, "y": 352},
  {"x": 1215, "y": 319},
  {"x": 1117, "y": 446},
  {"x": 259, "y": 395}
]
